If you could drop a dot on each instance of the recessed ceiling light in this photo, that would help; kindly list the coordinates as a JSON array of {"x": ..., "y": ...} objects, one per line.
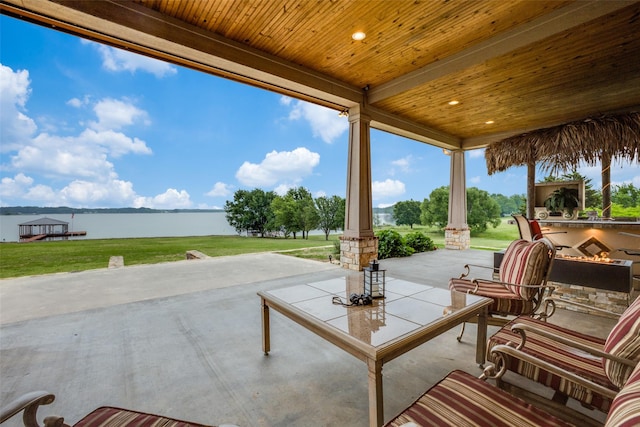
[
  {"x": 454, "y": 102},
  {"x": 358, "y": 35},
  {"x": 489, "y": 122}
]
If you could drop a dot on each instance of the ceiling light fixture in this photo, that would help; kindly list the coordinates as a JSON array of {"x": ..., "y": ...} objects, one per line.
[
  {"x": 454, "y": 102},
  {"x": 358, "y": 35}
]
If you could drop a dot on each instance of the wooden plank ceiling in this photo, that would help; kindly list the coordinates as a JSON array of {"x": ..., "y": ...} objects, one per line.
[{"x": 519, "y": 64}]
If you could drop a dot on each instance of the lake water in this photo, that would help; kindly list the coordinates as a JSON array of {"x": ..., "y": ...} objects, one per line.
[
  {"x": 124, "y": 225},
  {"x": 127, "y": 225}
]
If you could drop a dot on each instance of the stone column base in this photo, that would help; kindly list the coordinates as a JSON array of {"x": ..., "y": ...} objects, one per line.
[
  {"x": 457, "y": 238},
  {"x": 356, "y": 252}
]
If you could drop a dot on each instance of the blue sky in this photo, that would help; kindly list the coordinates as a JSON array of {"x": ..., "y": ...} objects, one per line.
[{"x": 86, "y": 125}]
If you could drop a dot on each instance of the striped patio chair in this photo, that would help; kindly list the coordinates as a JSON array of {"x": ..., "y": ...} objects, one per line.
[
  {"x": 521, "y": 283},
  {"x": 462, "y": 400},
  {"x": 605, "y": 362},
  {"x": 105, "y": 416}
]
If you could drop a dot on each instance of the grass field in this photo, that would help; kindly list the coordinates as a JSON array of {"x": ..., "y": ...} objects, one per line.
[{"x": 27, "y": 259}]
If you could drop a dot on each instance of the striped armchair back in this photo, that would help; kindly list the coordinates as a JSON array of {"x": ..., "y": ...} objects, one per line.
[
  {"x": 625, "y": 408},
  {"x": 623, "y": 341},
  {"x": 526, "y": 263}
]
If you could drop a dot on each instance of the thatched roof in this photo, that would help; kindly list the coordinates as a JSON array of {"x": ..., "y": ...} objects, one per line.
[{"x": 565, "y": 146}]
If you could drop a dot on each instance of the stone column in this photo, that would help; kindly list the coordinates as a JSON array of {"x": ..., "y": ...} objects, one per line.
[
  {"x": 358, "y": 244},
  {"x": 457, "y": 234}
]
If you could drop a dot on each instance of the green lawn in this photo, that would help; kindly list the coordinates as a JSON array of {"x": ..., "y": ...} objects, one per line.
[{"x": 26, "y": 259}]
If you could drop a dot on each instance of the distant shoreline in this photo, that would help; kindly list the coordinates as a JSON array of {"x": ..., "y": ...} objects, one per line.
[{"x": 36, "y": 210}]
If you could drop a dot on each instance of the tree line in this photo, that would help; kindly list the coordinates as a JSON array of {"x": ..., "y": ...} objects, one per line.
[
  {"x": 265, "y": 212},
  {"x": 297, "y": 212},
  {"x": 484, "y": 209}
]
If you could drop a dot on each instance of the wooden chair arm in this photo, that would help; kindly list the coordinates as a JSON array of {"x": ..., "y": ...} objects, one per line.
[
  {"x": 500, "y": 353},
  {"x": 28, "y": 403},
  {"x": 551, "y": 302},
  {"x": 522, "y": 329}
]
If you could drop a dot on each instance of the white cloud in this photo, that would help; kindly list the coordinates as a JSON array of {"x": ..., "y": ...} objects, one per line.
[
  {"x": 170, "y": 199},
  {"x": 282, "y": 189},
  {"x": 474, "y": 154},
  {"x": 285, "y": 100},
  {"x": 220, "y": 189},
  {"x": 15, "y": 126},
  {"x": 404, "y": 164},
  {"x": 110, "y": 191},
  {"x": 77, "y": 102},
  {"x": 16, "y": 186},
  {"x": 116, "y": 144},
  {"x": 475, "y": 180},
  {"x": 82, "y": 162},
  {"x": 324, "y": 122},
  {"x": 118, "y": 60},
  {"x": 279, "y": 167},
  {"x": 116, "y": 114},
  {"x": 387, "y": 188}
]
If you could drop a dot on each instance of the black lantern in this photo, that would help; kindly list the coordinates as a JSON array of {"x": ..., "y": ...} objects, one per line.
[{"x": 374, "y": 280}]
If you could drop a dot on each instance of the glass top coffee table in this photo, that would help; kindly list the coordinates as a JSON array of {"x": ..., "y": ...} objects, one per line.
[{"x": 410, "y": 315}]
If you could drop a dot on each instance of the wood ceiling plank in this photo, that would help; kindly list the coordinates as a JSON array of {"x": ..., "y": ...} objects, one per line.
[{"x": 511, "y": 40}]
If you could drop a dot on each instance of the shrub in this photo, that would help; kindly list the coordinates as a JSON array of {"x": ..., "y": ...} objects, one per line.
[
  {"x": 336, "y": 247},
  {"x": 391, "y": 245},
  {"x": 419, "y": 242}
]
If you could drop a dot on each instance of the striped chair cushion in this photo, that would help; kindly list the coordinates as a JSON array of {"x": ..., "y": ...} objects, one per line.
[
  {"x": 624, "y": 341},
  {"x": 461, "y": 399},
  {"x": 504, "y": 302},
  {"x": 625, "y": 409},
  {"x": 116, "y": 417},
  {"x": 524, "y": 263},
  {"x": 563, "y": 356}
]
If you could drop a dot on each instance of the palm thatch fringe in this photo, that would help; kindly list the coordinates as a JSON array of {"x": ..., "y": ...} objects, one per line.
[{"x": 563, "y": 147}]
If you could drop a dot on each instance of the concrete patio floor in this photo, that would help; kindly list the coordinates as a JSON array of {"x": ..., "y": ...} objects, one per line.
[{"x": 183, "y": 339}]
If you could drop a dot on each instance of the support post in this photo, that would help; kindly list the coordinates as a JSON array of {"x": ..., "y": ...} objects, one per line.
[
  {"x": 358, "y": 243},
  {"x": 457, "y": 234}
]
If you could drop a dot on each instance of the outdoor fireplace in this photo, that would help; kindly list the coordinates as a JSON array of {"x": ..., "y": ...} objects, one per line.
[{"x": 597, "y": 271}]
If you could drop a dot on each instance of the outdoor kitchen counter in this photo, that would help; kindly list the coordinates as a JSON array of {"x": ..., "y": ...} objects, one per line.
[{"x": 593, "y": 237}]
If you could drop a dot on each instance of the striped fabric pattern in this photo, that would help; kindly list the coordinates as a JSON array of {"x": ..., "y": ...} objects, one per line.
[
  {"x": 625, "y": 410},
  {"x": 563, "y": 356},
  {"x": 524, "y": 263},
  {"x": 462, "y": 400},
  {"x": 116, "y": 417},
  {"x": 624, "y": 341},
  {"x": 504, "y": 302}
]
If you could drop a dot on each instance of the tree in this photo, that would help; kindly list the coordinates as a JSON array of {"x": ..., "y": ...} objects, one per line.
[
  {"x": 284, "y": 211},
  {"x": 626, "y": 195},
  {"x": 509, "y": 205},
  {"x": 251, "y": 211},
  {"x": 331, "y": 212},
  {"x": 481, "y": 210},
  {"x": 407, "y": 213},
  {"x": 295, "y": 211},
  {"x": 434, "y": 210}
]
